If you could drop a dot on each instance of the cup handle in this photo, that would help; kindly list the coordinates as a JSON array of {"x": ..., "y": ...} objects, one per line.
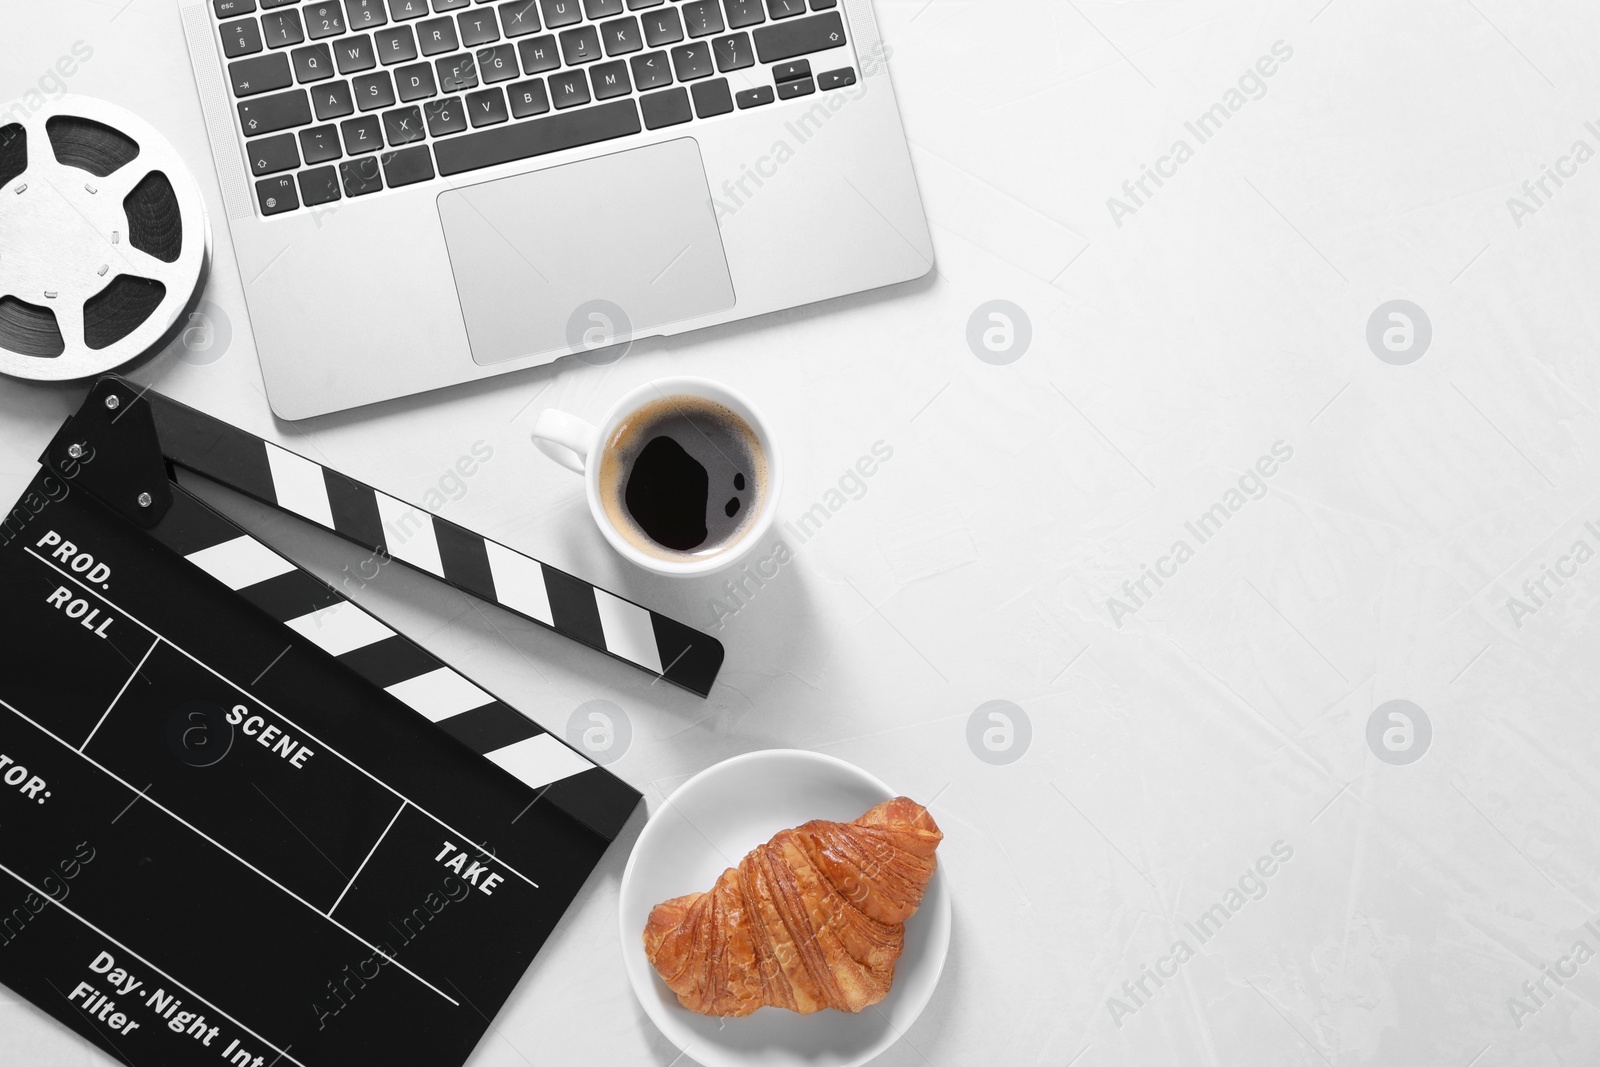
[{"x": 565, "y": 438}]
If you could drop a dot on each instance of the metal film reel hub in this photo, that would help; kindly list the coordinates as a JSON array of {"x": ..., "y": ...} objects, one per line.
[{"x": 103, "y": 240}]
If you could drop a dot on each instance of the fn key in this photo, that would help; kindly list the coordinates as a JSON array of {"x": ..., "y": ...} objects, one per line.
[{"x": 277, "y": 195}]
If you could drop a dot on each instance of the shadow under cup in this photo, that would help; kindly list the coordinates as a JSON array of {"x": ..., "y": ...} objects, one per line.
[{"x": 683, "y": 478}]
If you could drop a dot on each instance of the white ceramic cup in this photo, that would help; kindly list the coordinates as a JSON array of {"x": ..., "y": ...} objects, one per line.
[{"x": 575, "y": 444}]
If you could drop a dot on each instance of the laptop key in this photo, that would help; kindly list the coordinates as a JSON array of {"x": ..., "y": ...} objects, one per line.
[
  {"x": 569, "y": 89},
  {"x": 403, "y": 125},
  {"x": 319, "y": 186},
  {"x": 788, "y": 72},
  {"x": 755, "y": 97},
  {"x": 312, "y": 63},
  {"x": 362, "y": 135},
  {"x": 823, "y": 5},
  {"x": 332, "y": 101},
  {"x": 282, "y": 29},
  {"x": 666, "y": 108},
  {"x": 799, "y": 87},
  {"x": 836, "y": 79},
  {"x": 436, "y": 36},
  {"x": 662, "y": 27},
  {"x": 478, "y": 27},
  {"x": 263, "y": 74},
  {"x": 602, "y": 9},
  {"x": 272, "y": 154},
  {"x": 733, "y": 52},
  {"x": 361, "y": 176},
  {"x": 395, "y": 46},
  {"x": 277, "y": 195},
  {"x": 324, "y": 20},
  {"x": 498, "y": 64},
  {"x": 712, "y": 98},
  {"x": 365, "y": 14},
  {"x": 373, "y": 91},
  {"x": 538, "y": 54},
  {"x": 703, "y": 18},
  {"x": 354, "y": 54},
  {"x": 581, "y": 45},
  {"x": 528, "y": 98},
  {"x": 558, "y": 13},
  {"x": 400, "y": 10},
  {"x": 277, "y": 3},
  {"x": 445, "y": 116},
  {"x": 621, "y": 36},
  {"x": 520, "y": 18},
  {"x": 692, "y": 61},
  {"x": 536, "y": 137},
  {"x": 610, "y": 79},
  {"x": 440, "y": 6},
  {"x": 635, "y": 5},
  {"x": 801, "y": 37},
  {"x": 320, "y": 144},
  {"x": 457, "y": 73},
  {"x": 743, "y": 13},
  {"x": 240, "y": 38},
  {"x": 229, "y": 8},
  {"x": 416, "y": 82},
  {"x": 269, "y": 114},
  {"x": 783, "y": 9},
  {"x": 487, "y": 107},
  {"x": 652, "y": 71}
]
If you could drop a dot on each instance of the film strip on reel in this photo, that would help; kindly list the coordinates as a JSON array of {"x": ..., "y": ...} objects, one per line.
[{"x": 106, "y": 240}]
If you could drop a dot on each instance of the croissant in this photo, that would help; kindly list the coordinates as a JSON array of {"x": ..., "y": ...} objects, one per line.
[{"x": 813, "y": 919}]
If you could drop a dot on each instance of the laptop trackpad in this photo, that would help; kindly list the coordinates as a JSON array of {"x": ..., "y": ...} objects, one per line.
[{"x": 548, "y": 262}]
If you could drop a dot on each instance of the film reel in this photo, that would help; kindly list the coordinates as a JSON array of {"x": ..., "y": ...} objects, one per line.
[{"x": 103, "y": 240}]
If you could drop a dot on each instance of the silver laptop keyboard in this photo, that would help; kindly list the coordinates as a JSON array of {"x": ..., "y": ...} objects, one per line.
[{"x": 343, "y": 99}]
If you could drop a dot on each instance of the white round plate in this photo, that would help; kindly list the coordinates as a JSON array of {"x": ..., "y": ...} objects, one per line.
[{"x": 707, "y": 826}]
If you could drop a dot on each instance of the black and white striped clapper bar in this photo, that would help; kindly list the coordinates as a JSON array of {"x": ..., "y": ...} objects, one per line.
[{"x": 142, "y": 435}]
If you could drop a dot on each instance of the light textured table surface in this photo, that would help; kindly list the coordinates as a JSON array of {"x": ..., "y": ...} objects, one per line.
[{"x": 1181, "y": 730}]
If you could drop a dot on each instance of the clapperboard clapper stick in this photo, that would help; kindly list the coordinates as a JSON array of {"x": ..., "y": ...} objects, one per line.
[
  {"x": 136, "y": 437},
  {"x": 426, "y": 542}
]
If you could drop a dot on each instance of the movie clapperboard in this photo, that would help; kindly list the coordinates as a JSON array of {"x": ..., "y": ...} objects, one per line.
[{"x": 243, "y": 821}]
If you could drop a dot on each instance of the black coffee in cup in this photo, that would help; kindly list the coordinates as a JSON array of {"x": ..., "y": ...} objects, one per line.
[{"x": 683, "y": 477}]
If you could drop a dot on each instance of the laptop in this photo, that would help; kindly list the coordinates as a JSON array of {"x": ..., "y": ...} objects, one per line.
[{"x": 426, "y": 192}]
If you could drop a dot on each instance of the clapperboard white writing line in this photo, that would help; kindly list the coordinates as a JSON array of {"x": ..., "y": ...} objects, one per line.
[
  {"x": 403, "y": 805},
  {"x": 143, "y": 795},
  {"x": 437, "y": 547},
  {"x": 282, "y": 1053},
  {"x": 107, "y": 713},
  {"x": 325, "y": 746}
]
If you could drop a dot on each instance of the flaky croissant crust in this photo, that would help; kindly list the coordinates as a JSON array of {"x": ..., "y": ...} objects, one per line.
[{"x": 812, "y": 919}]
